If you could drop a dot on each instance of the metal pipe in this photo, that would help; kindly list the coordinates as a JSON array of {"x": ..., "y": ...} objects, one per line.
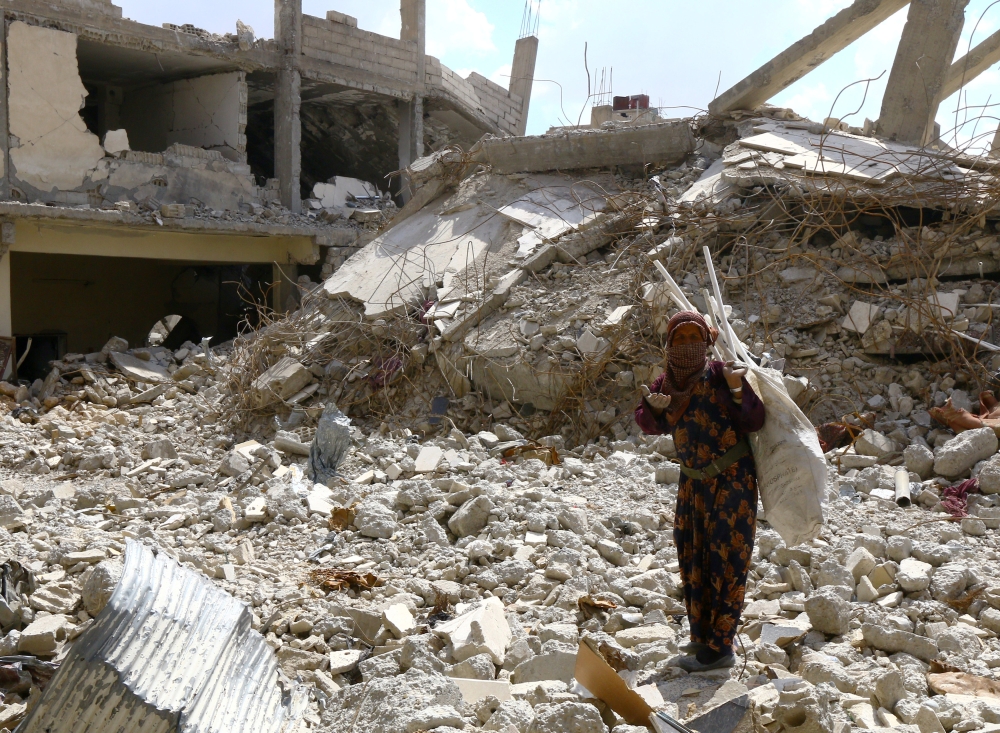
[{"x": 902, "y": 487}]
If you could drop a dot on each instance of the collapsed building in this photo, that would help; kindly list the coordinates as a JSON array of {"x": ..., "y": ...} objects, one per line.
[
  {"x": 415, "y": 490},
  {"x": 158, "y": 172}
]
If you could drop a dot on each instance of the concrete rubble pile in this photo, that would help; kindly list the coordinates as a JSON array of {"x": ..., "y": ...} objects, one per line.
[{"x": 497, "y": 511}]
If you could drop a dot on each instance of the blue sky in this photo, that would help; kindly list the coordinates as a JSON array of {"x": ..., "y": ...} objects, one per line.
[{"x": 676, "y": 51}]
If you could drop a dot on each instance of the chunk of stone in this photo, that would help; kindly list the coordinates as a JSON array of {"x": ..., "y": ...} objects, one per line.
[
  {"x": 99, "y": 584},
  {"x": 918, "y": 459},
  {"x": 54, "y": 599},
  {"x": 281, "y": 381},
  {"x": 162, "y": 449},
  {"x": 894, "y": 640},
  {"x": 435, "y": 716},
  {"x": 42, "y": 635},
  {"x": 860, "y": 563},
  {"x": 471, "y": 517},
  {"x": 12, "y": 516},
  {"x": 828, "y": 613},
  {"x": 567, "y": 717},
  {"x": 392, "y": 704},
  {"x": 289, "y": 443},
  {"x": 234, "y": 464},
  {"x": 553, "y": 665},
  {"x": 668, "y": 472},
  {"x": 612, "y": 552},
  {"x": 989, "y": 476},
  {"x": 376, "y": 520},
  {"x": 428, "y": 459},
  {"x": 344, "y": 661},
  {"x": 873, "y": 443},
  {"x": 949, "y": 581},
  {"x": 398, "y": 619},
  {"x": 989, "y": 619},
  {"x": 483, "y": 630},
  {"x": 964, "y": 451},
  {"x": 913, "y": 575},
  {"x": 516, "y": 714},
  {"x": 479, "y": 667},
  {"x": 629, "y": 638}
]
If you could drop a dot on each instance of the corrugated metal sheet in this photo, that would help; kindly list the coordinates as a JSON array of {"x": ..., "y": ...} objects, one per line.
[{"x": 170, "y": 652}]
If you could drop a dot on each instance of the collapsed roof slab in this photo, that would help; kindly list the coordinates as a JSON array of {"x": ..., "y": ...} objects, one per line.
[
  {"x": 665, "y": 142},
  {"x": 806, "y": 54},
  {"x": 970, "y": 66},
  {"x": 923, "y": 61}
]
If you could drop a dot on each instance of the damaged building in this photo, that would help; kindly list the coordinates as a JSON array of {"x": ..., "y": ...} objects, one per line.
[
  {"x": 411, "y": 494},
  {"x": 171, "y": 180}
]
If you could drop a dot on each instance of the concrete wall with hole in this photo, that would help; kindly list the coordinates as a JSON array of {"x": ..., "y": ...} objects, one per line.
[
  {"x": 91, "y": 299},
  {"x": 206, "y": 112}
]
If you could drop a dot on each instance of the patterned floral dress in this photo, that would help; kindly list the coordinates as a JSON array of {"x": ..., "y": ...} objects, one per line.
[{"x": 715, "y": 519}]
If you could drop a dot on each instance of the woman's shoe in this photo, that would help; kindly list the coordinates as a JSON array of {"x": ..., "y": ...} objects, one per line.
[
  {"x": 715, "y": 660},
  {"x": 692, "y": 647}
]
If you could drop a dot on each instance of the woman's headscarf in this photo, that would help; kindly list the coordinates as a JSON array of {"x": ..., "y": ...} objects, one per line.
[{"x": 685, "y": 362}]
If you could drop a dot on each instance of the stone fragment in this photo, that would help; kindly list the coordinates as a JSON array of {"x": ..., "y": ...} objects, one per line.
[
  {"x": 281, "y": 381},
  {"x": 828, "y": 613},
  {"x": 54, "y": 599},
  {"x": 482, "y": 630},
  {"x": 629, "y": 638},
  {"x": 234, "y": 464},
  {"x": 374, "y": 519},
  {"x": 913, "y": 575},
  {"x": 428, "y": 459},
  {"x": 398, "y": 619},
  {"x": 873, "y": 443},
  {"x": 12, "y": 516},
  {"x": 344, "y": 661},
  {"x": 553, "y": 665},
  {"x": 964, "y": 451},
  {"x": 256, "y": 510},
  {"x": 471, "y": 517},
  {"x": 516, "y": 714},
  {"x": 613, "y": 552},
  {"x": 918, "y": 459},
  {"x": 894, "y": 640},
  {"x": 42, "y": 635},
  {"x": 949, "y": 581},
  {"x": 162, "y": 449},
  {"x": 989, "y": 476},
  {"x": 860, "y": 563},
  {"x": 567, "y": 717},
  {"x": 866, "y": 591},
  {"x": 668, "y": 472},
  {"x": 392, "y": 704}
]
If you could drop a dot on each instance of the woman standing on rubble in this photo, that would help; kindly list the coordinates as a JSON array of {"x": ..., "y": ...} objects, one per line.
[{"x": 709, "y": 408}]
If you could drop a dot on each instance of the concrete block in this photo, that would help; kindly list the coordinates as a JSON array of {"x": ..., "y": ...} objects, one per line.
[{"x": 483, "y": 630}]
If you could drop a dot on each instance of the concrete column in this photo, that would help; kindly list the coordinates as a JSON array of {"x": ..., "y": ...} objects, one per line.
[
  {"x": 4, "y": 125},
  {"x": 974, "y": 63},
  {"x": 284, "y": 289},
  {"x": 413, "y": 14},
  {"x": 287, "y": 100},
  {"x": 995, "y": 147},
  {"x": 6, "y": 311},
  {"x": 920, "y": 71},
  {"x": 522, "y": 76},
  {"x": 804, "y": 55}
]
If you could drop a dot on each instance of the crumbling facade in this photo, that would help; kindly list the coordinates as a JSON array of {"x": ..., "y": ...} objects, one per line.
[{"x": 149, "y": 171}]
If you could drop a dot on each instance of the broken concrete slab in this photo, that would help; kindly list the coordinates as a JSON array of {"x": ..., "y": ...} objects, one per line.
[
  {"x": 665, "y": 142},
  {"x": 481, "y": 630}
]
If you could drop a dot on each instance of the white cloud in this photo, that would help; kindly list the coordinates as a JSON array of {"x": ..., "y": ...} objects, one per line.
[
  {"x": 455, "y": 26},
  {"x": 501, "y": 76}
]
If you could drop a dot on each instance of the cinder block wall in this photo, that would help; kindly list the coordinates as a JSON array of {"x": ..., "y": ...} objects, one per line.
[{"x": 338, "y": 43}]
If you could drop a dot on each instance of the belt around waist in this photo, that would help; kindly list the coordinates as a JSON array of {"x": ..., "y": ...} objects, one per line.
[{"x": 719, "y": 465}]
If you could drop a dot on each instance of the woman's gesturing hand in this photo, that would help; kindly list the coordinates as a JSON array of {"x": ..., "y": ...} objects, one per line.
[{"x": 655, "y": 400}]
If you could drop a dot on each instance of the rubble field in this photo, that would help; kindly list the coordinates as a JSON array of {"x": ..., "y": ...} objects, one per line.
[{"x": 496, "y": 516}]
